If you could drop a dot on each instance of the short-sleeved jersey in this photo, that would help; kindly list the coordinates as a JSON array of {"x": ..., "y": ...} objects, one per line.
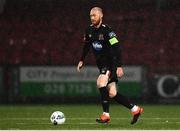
[{"x": 104, "y": 44}]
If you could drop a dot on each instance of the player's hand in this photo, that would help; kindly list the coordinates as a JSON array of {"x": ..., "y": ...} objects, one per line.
[
  {"x": 79, "y": 66},
  {"x": 120, "y": 72}
]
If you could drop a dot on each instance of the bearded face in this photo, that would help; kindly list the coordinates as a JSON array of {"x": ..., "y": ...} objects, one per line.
[{"x": 96, "y": 17}]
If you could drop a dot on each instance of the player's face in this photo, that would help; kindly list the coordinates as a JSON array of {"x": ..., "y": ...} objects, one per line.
[{"x": 96, "y": 17}]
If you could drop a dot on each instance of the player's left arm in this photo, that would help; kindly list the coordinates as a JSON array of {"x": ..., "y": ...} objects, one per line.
[{"x": 115, "y": 51}]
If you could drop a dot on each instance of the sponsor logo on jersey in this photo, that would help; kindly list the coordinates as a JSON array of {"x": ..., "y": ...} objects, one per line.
[
  {"x": 112, "y": 34},
  {"x": 97, "y": 45}
]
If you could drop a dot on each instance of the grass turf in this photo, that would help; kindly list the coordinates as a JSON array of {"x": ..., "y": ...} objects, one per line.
[{"x": 82, "y": 117}]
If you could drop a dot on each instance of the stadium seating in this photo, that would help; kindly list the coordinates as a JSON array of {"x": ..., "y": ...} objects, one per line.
[{"x": 55, "y": 36}]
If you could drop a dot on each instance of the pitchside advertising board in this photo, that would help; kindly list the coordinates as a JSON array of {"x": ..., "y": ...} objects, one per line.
[{"x": 66, "y": 81}]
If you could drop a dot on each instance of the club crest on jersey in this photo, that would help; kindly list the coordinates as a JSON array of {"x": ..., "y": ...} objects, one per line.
[
  {"x": 97, "y": 45},
  {"x": 101, "y": 37},
  {"x": 90, "y": 35},
  {"x": 112, "y": 34}
]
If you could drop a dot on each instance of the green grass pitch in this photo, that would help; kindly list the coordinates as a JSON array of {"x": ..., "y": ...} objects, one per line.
[{"x": 82, "y": 117}]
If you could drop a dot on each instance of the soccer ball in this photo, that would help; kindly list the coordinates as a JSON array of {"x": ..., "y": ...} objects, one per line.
[{"x": 57, "y": 117}]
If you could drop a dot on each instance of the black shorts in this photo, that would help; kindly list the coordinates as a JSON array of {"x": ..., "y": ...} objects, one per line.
[{"x": 110, "y": 72}]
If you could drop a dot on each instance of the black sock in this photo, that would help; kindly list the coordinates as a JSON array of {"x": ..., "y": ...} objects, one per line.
[
  {"x": 123, "y": 100},
  {"x": 104, "y": 98}
]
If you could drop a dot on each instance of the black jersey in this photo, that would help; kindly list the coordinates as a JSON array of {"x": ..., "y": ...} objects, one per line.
[{"x": 104, "y": 44}]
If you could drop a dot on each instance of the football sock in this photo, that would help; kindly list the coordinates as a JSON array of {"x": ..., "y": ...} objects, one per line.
[
  {"x": 104, "y": 99},
  {"x": 107, "y": 114},
  {"x": 134, "y": 109},
  {"x": 123, "y": 100}
]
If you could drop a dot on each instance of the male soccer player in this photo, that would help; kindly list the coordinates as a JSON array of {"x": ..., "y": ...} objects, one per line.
[{"x": 105, "y": 45}]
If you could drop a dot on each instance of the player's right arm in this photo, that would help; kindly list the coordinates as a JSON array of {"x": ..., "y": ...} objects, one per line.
[{"x": 85, "y": 51}]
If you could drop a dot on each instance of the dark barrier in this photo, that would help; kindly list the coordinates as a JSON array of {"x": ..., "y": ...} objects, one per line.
[
  {"x": 163, "y": 89},
  {"x": 2, "y": 91}
]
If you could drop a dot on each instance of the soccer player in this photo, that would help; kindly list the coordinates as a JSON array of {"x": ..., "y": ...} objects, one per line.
[{"x": 105, "y": 45}]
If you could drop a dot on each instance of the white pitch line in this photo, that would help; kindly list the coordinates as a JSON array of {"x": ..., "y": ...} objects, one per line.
[
  {"x": 90, "y": 123},
  {"x": 87, "y": 123},
  {"x": 81, "y": 123},
  {"x": 164, "y": 122},
  {"x": 23, "y": 123},
  {"x": 92, "y": 118},
  {"x": 124, "y": 118}
]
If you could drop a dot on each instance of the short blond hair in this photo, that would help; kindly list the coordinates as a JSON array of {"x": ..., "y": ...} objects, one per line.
[{"x": 98, "y": 9}]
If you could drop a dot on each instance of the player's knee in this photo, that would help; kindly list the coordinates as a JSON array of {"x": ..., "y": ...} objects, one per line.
[
  {"x": 112, "y": 93},
  {"x": 101, "y": 84}
]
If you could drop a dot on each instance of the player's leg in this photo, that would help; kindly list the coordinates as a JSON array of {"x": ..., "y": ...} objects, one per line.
[
  {"x": 118, "y": 97},
  {"x": 135, "y": 110},
  {"x": 102, "y": 86}
]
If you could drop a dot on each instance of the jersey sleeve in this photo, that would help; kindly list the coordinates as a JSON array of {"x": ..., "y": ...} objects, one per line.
[
  {"x": 115, "y": 48},
  {"x": 86, "y": 46}
]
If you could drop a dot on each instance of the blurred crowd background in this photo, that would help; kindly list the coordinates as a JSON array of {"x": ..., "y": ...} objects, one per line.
[{"x": 48, "y": 33}]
